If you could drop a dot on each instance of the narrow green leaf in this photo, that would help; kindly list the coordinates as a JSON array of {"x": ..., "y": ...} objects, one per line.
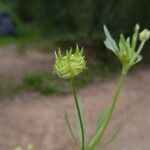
[
  {"x": 123, "y": 41},
  {"x": 100, "y": 120},
  {"x": 109, "y": 45},
  {"x": 128, "y": 46},
  {"x": 139, "y": 58},
  {"x": 110, "y": 42},
  {"x": 71, "y": 131},
  {"x": 121, "y": 47},
  {"x": 135, "y": 36},
  {"x": 115, "y": 134}
]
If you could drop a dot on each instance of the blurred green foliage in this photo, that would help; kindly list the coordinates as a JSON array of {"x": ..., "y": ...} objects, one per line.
[
  {"x": 77, "y": 21},
  {"x": 83, "y": 18},
  {"x": 40, "y": 82}
]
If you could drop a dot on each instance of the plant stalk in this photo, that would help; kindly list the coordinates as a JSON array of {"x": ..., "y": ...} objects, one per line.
[
  {"x": 115, "y": 99},
  {"x": 78, "y": 112}
]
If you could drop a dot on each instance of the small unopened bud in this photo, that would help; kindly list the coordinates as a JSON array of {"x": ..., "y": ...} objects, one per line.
[{"x": 144, "y": 35}]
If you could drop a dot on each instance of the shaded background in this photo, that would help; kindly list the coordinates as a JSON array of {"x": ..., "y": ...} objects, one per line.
[
  {"x": 33, "y": 99},
  {"x": 67, "y": 22}
]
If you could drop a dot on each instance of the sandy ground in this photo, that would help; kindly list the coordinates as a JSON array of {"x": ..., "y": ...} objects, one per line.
[
  {"x": 32, "y": 118},
  {"x": 15, "y": 65}
]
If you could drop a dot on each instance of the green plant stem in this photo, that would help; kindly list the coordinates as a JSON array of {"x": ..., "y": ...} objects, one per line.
[
  {"x": 78, "y": 112},
  {"x": 115, "y": 99}
]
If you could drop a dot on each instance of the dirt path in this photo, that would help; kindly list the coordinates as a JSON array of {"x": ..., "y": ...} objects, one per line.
[
  {"x": 15, "y": 65},
  {"x": 32, "y": 118},
  {"x": 36, "y": 119}
]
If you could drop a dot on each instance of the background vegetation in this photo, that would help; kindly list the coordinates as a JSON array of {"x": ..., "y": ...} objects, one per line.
[
  {"x": 77, "y": 20},
  {"x": 47, "y": 24}
]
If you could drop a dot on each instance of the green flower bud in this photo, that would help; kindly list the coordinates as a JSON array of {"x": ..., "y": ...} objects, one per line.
[
  {"x": 144, "y": 35},
  {"x": 70, "y": 65},
  {"x": 127, "y": 50}
]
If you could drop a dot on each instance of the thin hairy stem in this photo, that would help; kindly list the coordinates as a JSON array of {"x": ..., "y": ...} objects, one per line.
[{"x": 78, "y": 112}]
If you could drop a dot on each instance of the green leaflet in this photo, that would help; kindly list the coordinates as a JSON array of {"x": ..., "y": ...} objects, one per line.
[
  {"x": 135, "y": 37},
  {"x": 70, "y": 130},
  {"x": 100, "y": 120},
  {"x": 124, "y": 43},
  {"x": 110, "y": 42},
  {"x": 115, "y": 134}
]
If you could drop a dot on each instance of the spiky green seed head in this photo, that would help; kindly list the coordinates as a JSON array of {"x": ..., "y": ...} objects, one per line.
[
  {"x": 71, "y": 64},
  {"x": 144, "y": 35}
]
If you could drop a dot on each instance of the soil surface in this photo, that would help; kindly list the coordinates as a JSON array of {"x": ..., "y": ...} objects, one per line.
[{"x": 32, "y": 118}]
